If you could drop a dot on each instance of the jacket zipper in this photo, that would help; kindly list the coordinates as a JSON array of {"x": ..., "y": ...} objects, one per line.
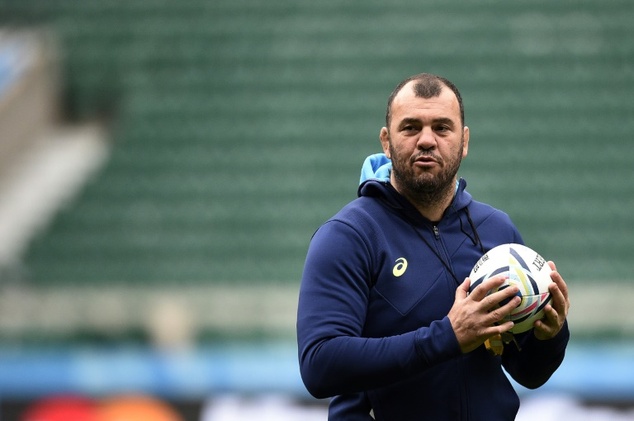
[
  {"x": 442, "y": 253},
  {"x": 464, "y": 395}
]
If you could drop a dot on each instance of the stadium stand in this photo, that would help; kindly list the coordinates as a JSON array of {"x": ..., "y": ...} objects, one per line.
[
  {"x": 28, "y": 85},
  {"x": 238, "y": 126}
]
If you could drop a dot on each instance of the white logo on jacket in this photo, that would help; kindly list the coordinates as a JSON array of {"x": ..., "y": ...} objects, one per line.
[{"x": 400, "y": 267}]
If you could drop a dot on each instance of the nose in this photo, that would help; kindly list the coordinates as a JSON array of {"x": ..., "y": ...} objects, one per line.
[{"x": 426, "y": 140}]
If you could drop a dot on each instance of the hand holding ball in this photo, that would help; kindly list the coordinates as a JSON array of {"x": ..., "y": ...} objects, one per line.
[{"x": 525, "y": 269}]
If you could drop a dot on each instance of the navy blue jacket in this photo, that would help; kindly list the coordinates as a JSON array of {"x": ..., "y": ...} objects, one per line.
[{"x": 372, "y": 326}]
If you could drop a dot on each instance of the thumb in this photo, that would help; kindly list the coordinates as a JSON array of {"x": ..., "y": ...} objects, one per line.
[{"x": 463, "y": 290}]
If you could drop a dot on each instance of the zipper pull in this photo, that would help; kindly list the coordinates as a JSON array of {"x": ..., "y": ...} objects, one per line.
[
  {"x": 495, "y": 344},
  {"x": 436, "y": 232},
  {"x": 508, "y": 337}
]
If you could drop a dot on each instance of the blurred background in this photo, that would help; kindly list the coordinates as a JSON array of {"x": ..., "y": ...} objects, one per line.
[{"x": 164, "y": 163}]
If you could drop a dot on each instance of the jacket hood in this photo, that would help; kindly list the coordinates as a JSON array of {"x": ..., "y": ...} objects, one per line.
[
  {"x": 377, "y": 167},
  {"x": 375, "y": 182}
]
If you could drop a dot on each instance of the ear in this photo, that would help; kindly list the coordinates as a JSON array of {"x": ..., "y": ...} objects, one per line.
[
  {"x": 465, "y": 136},
  {"x": 384, "y": 135}
]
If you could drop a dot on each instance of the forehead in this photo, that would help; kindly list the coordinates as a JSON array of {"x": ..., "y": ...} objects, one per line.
[{"x": 408, "y": 105}]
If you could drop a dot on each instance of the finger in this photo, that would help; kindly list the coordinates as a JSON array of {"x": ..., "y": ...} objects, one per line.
[
  {"x": 501, "y": 312},
  {"x": 542, "y": 330},
  {"x": 555, "y": 293},
  {"x": 487, "y": 285},
  {"x": 504, "y": 327},
  {"x": 549, "y": 325},
  {"x": 551, "y": 315},
  {"x": 561, "y": 284},
  {"x": 463, "y": 290},
  {"x": 552, "y": 266},
  {"x": 559, "y": 301},
  {"x": 497, "y": 329},
  {"x": 502, "y": 298},
  {"x": 558, "y": 279}
]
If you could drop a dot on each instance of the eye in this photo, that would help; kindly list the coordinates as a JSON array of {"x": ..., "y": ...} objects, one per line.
[
  {"x": 442, "y": 128},
  {"x": 410, "y": 128}
]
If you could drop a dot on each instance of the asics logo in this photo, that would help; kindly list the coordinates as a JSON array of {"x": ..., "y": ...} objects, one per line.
[{"x": 400, "y": 267}]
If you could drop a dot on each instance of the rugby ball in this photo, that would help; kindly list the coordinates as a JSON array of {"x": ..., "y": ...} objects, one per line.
[{"x": 525, "y": 269}]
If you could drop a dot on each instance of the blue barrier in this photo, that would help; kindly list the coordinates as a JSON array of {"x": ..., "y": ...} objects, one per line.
[{"x": 601, "y": 371}]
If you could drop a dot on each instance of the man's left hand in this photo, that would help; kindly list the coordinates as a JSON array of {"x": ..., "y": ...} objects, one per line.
[{"x": 556, "y": 312}]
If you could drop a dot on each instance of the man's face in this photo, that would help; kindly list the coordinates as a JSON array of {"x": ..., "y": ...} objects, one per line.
[{"x": 426, "y": 142}]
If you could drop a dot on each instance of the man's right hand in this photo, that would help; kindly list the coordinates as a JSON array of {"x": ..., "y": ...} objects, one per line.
[{"x": 478, "y": 315}]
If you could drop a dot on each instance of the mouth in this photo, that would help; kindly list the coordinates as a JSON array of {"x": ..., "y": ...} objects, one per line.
[{"x": 425, "y": 161}]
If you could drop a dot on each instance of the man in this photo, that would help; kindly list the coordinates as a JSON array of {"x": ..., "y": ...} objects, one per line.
[{"x": 386, "y": 325}]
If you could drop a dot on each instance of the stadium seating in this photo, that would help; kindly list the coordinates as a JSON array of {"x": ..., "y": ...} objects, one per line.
[{"x": 239, "y": 126}]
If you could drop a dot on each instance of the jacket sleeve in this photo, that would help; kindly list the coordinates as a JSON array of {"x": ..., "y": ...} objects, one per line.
[
  {"x": 533, "y": 361},
  {"x": 334, "y": 356}
]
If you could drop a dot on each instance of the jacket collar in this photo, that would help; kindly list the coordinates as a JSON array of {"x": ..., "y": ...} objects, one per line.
[{"x": 385, "y": 192}]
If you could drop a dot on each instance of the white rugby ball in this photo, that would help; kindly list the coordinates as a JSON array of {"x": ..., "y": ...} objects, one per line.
[{"x": 525, "y": 269}]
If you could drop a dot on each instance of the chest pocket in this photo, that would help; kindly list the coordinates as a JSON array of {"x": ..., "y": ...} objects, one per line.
[{"x": 408, "y": 285}]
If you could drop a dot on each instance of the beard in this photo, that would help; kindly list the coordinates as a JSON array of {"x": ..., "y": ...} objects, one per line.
[{"x": 427, "y": 188}]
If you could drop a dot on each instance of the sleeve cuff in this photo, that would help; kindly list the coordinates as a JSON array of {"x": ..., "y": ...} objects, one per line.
[{"x": 437, "y": 342}]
